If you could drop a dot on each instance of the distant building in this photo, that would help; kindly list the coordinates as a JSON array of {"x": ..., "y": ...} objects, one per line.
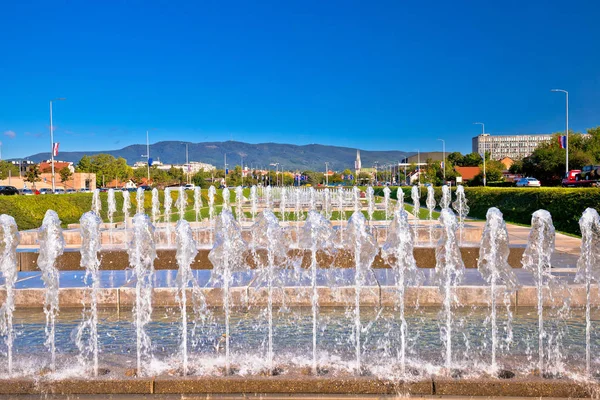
[
  {"x": 513, "y": 146},
  {"x": 423, "y": 157},
  {"x": 46, "y": 166},
  {"x": 507, "y": 162},
  {"x": 192, "y": 167}
]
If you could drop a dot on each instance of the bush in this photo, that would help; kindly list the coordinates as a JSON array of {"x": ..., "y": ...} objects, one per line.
[
  {"x": 517, "y": 204},
  {"x": 29, "y": 211}
]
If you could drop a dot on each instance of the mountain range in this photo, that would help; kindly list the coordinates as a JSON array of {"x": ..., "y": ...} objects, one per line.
[{"x": 289, "y": 156}]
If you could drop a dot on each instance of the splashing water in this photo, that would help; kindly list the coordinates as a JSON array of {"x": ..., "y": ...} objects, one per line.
[
  {"x": 430, "y": 202},
  {"x": 181, "y": 202},
  {"x": 52, "y": 244},
  {"x": 370, "y": 203},
  {"x": 155, "y": 206},
  {"x": 168, "y": 204},
  {"x": 461, "y": 208},
  {"x": 358, "y": 240},
  {"x": 283, "y": 203},
  {"x": 126, "y": 207},
  {"x": 398, "y": 252},
  {"x": 340, "y": 203},
  {"x": 226, "y": 196},
  {"x": 9, "y": 240},
  {"x": 239, "y": 201},
  {"x": 446, "y": 197},
  {"x": 386, "y": 202},
  {"x": 112, "y": 209},
  {"x": 268, "y": 235},
  {"x": 317, "y": 235},
  {"x": 198, "y": 203},
  {"x": 90, "y": 246},
  {"x": 140, "y": 198},
  {"x": 142, "y": 253},
  {"x": 96, "y": 203},
  {"x": 400, "y": 199},
  {"x": 211, "y": 210},
  {"x": 494, "y": 267},
  {"x": 588, "y": 269},
  {"x": 416, "y": 199},
  {"x": 227, "y": 257},
  {"x": 356, "y": 199},
  {"x": 536, "y": 259},
  {"x": 268, "y": 197},
  {"x": 253, "y": 202},
  {"x": 187, "y": 250},
  {"x": 312, "y": 199},
  {"x": 449, "y": 269}
]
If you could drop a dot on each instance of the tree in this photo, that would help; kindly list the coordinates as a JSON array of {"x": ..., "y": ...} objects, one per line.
[
  {"x": 7, "y": 168},
  {"x": 65, "y": 174},
  {"x": 472, "y": 160},
  {"x": 33, "y": 175}
]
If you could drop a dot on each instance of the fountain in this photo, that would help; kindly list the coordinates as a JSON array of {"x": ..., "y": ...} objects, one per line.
[
  {"x": 370, "y": 204},
  {"x": 181, "y": 202},
  {"x": 253, "y": 202},
  {"x": 588, "y": 270},
  {"x": 96, "y": 203},
  {"x": 449, "y": 270},
  {"x": 340, "y": 203},
  {"x": 400, "y": 199},
  {"x": 51, "y": 243},
  {"x": 198, "y": 203},
  {"x": 327, "y": 203},
  {"x": 398, "y": 252},
  {"x": 226, "y": 196},
  {"x": 430, "y": 202},
  {"x": 168, "y": 204},
  {"x": 186, "y": 253},
  {"x": 112, "y": 209},
  {"x": 90, "y": 247},
  {"x": 126, "y": 207},
  {"x": 461, "y": 208},
  {"x": 356, "y": 199},
  {"x": 239, "y": 201},
  {"x": 267, "y": 235},
  {"x": 415, "y": 194},
  {"x": 317, "y": 235},
  {"x": 364, "y": 248},
  {"x": 227, "y": 257},
  {"x": 142, "y": 254},
  {"x": 140, "y": 197},
  {"x": 446, "y": 197},
  {"x": 493, "y": 265},
  {"x": 386, "y": 202},
  {"x": 9, "y": 240},
  {"x": 283, "y": 204},
  {"x": 536, "y": 259},
  {"x": 155, "y": 206}
]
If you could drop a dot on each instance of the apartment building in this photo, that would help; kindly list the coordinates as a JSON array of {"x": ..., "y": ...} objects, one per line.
[{"x": 513, "y": 146}]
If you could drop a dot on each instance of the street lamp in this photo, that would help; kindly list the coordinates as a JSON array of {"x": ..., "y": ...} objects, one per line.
[
  {"x": 483, "y": 133},
  {"x": 567, "y": 131},
  {"x": 444, "y": 154},
  {"x": 52, "y": 140}
]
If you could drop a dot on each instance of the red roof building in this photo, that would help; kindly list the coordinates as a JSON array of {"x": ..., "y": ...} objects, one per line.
[{"x": 468, "y": 173}]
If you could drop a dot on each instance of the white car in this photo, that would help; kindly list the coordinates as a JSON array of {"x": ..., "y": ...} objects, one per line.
[
  {"x": 528, "y": 182},
  {"x": 189, "y": 186}
]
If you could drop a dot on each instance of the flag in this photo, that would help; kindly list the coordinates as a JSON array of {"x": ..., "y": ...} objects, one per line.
[
  {"x": 55, "y": 149},
  {"x": 150, "y": 161},
  {"x": 226, "y": 171},
  {"x": 562, "y": 141}
]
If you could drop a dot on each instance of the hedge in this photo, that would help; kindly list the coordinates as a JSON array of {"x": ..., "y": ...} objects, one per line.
[
  {"x": 29, "y": 211},
  {"x": 517, "y": 204}
]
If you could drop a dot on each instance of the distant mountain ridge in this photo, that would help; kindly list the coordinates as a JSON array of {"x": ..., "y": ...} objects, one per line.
[{"x": 289, "y": 156}]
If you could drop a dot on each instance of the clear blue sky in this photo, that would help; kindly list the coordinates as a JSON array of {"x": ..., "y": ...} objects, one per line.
[{"x": 370, "y": 74}]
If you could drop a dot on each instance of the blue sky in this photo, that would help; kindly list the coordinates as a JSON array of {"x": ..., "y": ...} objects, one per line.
[{"x": 370, "y": 74}]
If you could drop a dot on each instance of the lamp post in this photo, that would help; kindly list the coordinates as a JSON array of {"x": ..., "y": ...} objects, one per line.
[
  {"x": 444, "y": 155},
  {"x": 567, "y": 131},
  {"x": 52, "y": 141},
  {"x": 483, "y": 156}
]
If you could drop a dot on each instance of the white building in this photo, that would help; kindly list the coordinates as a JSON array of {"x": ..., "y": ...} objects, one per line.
[
  {"x": 513, "y": 146},
  {"x": 192, "y": 167}
]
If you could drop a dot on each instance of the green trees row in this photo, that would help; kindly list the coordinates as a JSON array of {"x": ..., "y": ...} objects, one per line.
[{"x": 547, "y": 162}]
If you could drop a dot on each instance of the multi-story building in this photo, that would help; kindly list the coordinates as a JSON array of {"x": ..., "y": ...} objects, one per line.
[{"x": 513, "y": 146}]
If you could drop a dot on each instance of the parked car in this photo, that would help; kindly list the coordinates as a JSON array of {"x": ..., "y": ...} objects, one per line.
[
  {"x": 189, "y": 186},
  {"x": 147, "y": 188},
  {"x": 59, "y": 191},
  {"x": 45, "y": 191},
  {"x": 8, "y": 190},
  {"x": 71, "y": 191},
  {"x": 528, "y": 182},
  {"x": 27, "y": 192}
]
